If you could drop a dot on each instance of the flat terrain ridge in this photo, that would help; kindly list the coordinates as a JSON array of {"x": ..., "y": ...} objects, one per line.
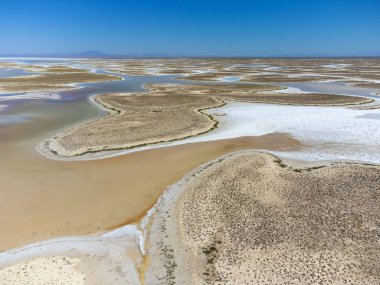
[{"x": 250, "y": 219}]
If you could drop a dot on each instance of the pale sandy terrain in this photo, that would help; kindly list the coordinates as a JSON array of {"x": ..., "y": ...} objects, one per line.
[
  {"x": 56, "y": 270},
  {"x": 249, "y": 219},
  {"x": 107, "y": 258}
]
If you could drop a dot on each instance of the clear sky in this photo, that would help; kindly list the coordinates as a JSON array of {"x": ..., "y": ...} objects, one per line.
[{"x": 192, "y": 27}]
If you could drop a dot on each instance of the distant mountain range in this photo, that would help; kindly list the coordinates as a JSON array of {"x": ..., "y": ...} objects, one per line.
[
  {"x": 98, "y": 54},
  {"x": 86, "y": 54}
]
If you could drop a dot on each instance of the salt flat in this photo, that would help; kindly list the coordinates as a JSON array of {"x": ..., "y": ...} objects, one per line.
[
  {"x": 330, "y": 133},
  {"x": 56, "y": 201}
]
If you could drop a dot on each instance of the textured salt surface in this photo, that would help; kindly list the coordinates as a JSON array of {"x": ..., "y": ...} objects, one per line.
[
  {"x": 329, "y": 133},
  {"x": 333, "y": 132},
  {"x": 31, "y": 96}
]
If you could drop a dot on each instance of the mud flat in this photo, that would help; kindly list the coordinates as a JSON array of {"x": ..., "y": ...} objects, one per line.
[
  {"x": 368, "y": 85},
  {"x": 260, "y": 93},
  {"x": 248, "y": 218},
  {"x": 169, "y": 112},
  {"x": 219, "y": 89},
  {"x": 58, "y": 78}
]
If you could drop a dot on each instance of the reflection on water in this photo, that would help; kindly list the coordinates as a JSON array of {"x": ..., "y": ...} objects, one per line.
[{"x": 129, "y": 84}]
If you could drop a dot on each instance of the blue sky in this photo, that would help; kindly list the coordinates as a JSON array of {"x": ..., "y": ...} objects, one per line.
[{"x": 198, "y": 28}]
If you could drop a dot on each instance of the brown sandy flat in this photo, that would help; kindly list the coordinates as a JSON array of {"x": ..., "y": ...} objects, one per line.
[
  {"x": 138, "y": 120},
  {"x": 249, "y": 76},
  {"x": 212, "y": 89},
  {"x": 63, "y": 69},
  {"x": 283, "y": 78},
  {"x": 254, "y": 93},
  {"x": 45, "y": 198},
  {"x": 367, "y": 85},
  {"x": 50, "y": 81}
]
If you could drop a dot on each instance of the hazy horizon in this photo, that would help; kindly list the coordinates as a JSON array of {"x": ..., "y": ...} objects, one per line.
[{"x": 101, "y": 55}]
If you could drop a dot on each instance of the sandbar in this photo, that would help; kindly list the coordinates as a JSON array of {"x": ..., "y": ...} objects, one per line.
[{"x": 248, "y": 218}]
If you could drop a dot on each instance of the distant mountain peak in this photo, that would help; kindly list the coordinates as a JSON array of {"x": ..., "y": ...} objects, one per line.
[{"x": 91, "y": 53}]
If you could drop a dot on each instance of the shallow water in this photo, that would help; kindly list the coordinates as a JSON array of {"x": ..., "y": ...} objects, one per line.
[
  {"x": 333, "y": 88},
  {"x": 13, "y": 72},
  {"x": 129, "y": 84},
  {"x": 39, "y": 61}
]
